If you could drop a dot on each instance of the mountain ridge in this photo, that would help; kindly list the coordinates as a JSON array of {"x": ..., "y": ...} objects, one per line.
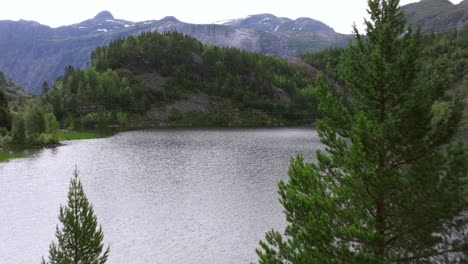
[
  {"x": 437, "y": 15},
  {"x": 269, "y": 22}
]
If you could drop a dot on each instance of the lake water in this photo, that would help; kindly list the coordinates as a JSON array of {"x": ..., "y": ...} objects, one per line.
[{"x": 161, "y": 196}]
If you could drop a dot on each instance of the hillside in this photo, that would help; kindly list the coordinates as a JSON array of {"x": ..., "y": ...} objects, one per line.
[
  {"x": 447, "y": 51},
  {"x": 33, "y": 53},
  {"x": 173, "y": 79},
  {"x": 13, "y": 92},
  {"x": 437, "y": 15}
]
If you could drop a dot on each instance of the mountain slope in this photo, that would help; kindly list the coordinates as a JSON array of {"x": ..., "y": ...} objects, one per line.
[
  {"x": 437, "y": 15},
  {"x": 32, "y": 53},
  {"x": 14, "y": 93}
]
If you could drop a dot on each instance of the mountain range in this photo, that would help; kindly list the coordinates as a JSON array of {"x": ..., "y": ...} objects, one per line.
[{"x": 32, "y": 53}]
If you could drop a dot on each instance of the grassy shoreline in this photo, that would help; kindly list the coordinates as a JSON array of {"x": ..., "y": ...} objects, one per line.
[
  {"x": 16, "y": 153},
  {"x": 7, "y": 155},
  {"x": 77, "y": 135}
]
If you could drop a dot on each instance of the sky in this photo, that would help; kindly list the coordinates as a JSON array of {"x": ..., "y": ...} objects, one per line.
[{"x": 339, "y": 14}]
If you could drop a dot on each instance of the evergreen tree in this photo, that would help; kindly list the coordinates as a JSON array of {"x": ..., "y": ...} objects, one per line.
[
  {"x": 80, "y": 238},
  {"x": 3, "y": 80},
  {"x": 389, "y": 187},
  {"x": 18, "y": 134},
  {"x": 45, "y": 87},
  {"x": 5, "y": 116}
]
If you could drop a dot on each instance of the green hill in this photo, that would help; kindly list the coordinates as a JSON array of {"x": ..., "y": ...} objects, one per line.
[{"x": 173, "y": 79}]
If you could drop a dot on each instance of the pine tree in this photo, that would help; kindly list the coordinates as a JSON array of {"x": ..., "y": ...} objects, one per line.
[
  {"x": 79, "y": 239},
  {"x": 5, "y": 116},
  {"x": 45, "y": 87},
  {"x": 390, "y": 185}
]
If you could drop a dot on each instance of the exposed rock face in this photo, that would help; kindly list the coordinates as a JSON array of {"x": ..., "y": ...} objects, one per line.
[
  {"x": 437, "y": 15},
  {"x": 32, "y": 53},
  {"x": 200, "y": 102}
]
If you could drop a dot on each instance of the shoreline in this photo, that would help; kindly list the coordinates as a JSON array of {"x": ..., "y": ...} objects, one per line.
[{"x": 16, "y": 152}]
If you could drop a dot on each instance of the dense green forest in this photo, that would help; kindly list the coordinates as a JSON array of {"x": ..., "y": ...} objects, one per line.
[
  {"x": 130, "y": 76},
  {"x": 447, "y": 51},
  {"x": 24, "y": 121}
]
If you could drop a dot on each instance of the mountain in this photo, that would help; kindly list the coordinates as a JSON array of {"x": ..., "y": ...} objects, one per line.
[
  {"x": 437, "y": 15},
  {"x": 271, "y": 23},
  {"x": 33, "y": 53}
]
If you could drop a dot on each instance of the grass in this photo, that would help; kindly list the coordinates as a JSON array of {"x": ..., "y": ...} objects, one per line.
[
  {"x": 74, "y": 135},
  {"x": 62, "y": 135},
  {"x": 6, "y": 155}
]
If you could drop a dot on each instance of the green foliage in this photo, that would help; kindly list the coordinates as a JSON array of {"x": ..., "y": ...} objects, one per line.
[
  {"x": 306, "y": 98},
  {"x": 387, "y": 188},
  {"x": 3, "y": 99},
  {"x": 34, "y": 120},
  {"x": 446, "y": 51},
  {"x": 54, "y": 125},
  {"x": 327, "y": 61},
  {"x": 5, "y": 116},
  {"x": 18, "y": 132},
  {"x": 24, "y": 121},
  {"x": 80, "y": 92},
  {"x": 6, "y": 155},
  {"x": 122, "y": 118},
  {"x": 93, "y": 120},
  {"x": 32, "y": 125},
  {"x": 79, "y": 240},
  {"x": 73, "y": 135}
]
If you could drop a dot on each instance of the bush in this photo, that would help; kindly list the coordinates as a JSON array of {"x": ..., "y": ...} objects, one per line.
[{"x": 122, "y": 118}]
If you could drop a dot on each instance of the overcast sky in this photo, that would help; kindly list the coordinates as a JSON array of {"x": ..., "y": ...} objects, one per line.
[{"x": 339, "y": 14}]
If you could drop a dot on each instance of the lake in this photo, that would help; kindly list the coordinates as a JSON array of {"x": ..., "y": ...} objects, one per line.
[{"x": 161, "y": 196}]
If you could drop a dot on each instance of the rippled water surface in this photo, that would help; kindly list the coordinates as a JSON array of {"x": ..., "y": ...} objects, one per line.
[{"x": 162, "y": 196}]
